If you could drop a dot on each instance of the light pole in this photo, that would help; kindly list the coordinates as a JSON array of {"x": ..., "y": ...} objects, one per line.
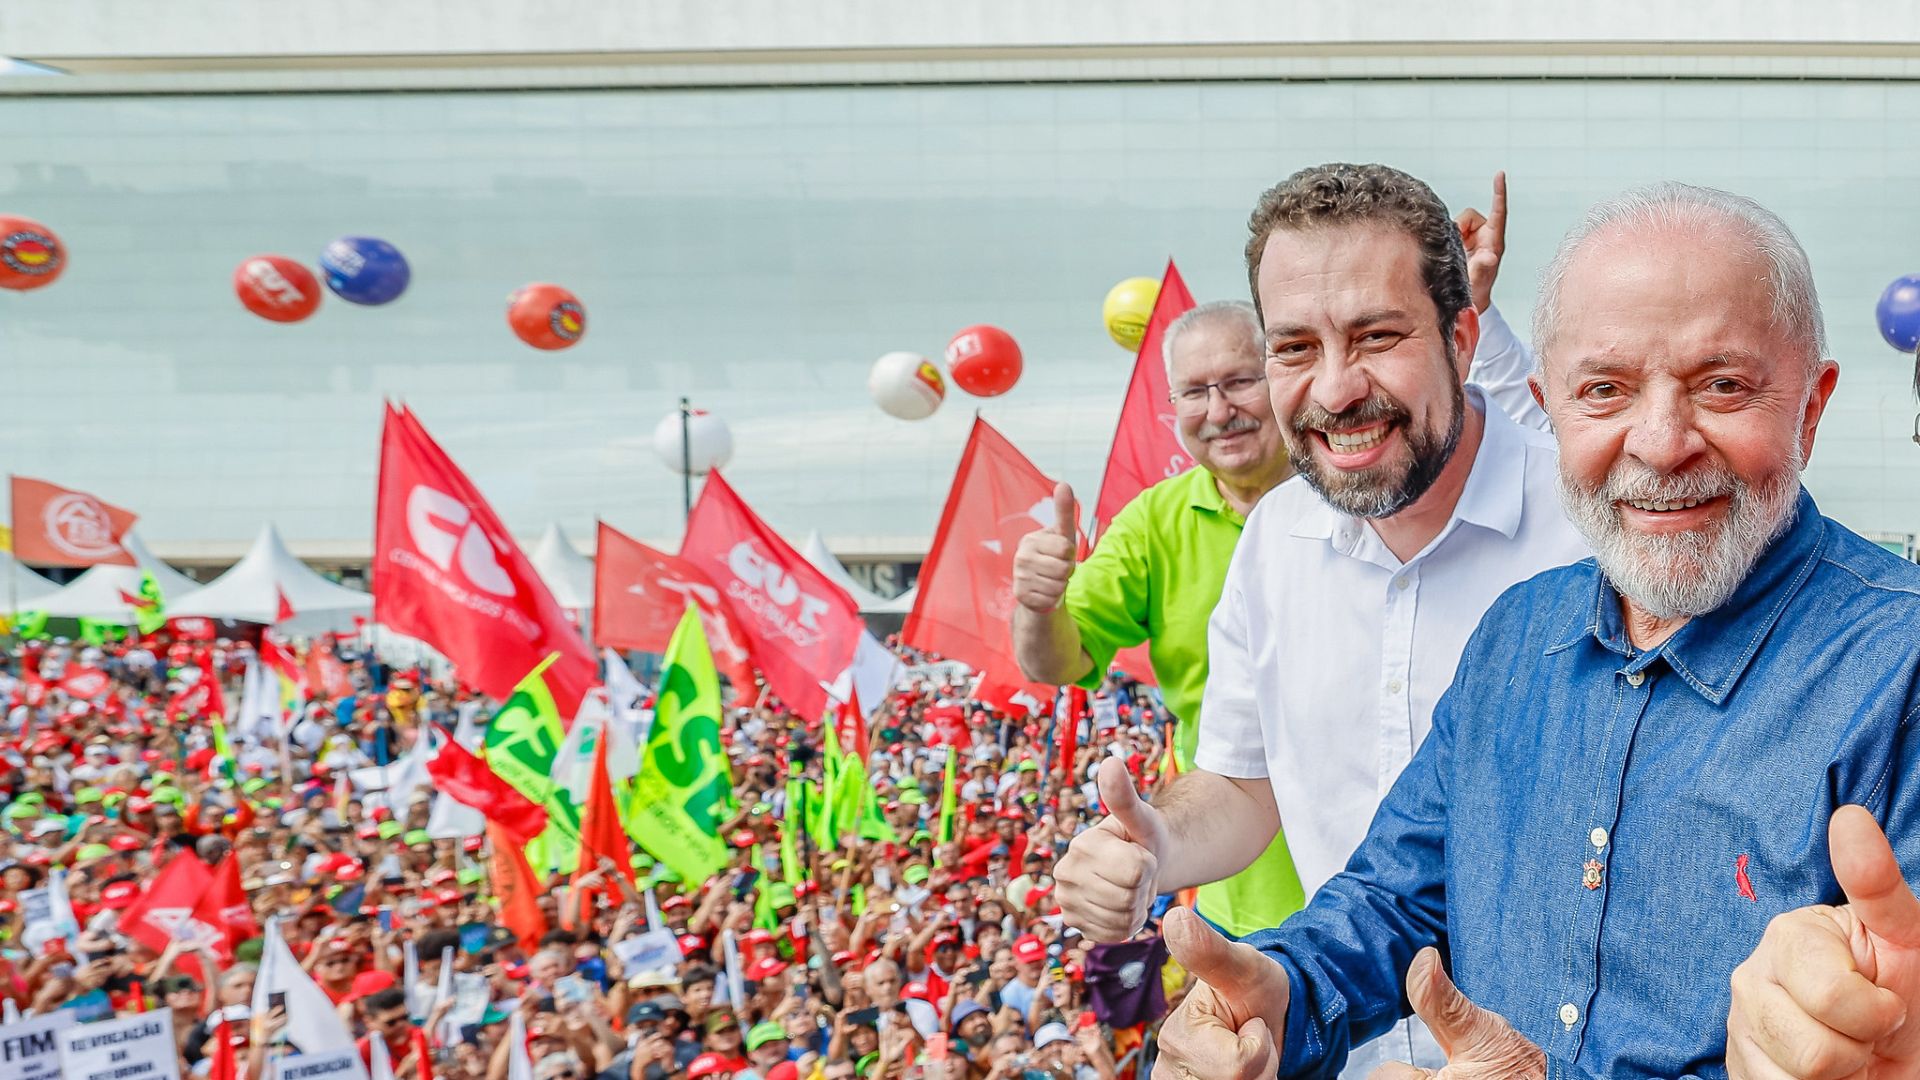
[{"x": 686, "y": 461}]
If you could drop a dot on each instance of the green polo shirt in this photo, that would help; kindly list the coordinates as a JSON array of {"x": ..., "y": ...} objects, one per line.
[{"x": 1155, "y": 576}]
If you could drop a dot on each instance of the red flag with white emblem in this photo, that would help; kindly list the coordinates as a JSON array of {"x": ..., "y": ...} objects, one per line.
[
  {"x": 964, "y": 609},
  {"x": 56, "y": 526},
  {"x": 800, "y": 627},
  {"x": 639, "y": 594},
  {"x": 1146, "y": 444},
  {"x": 445, "y": 570}
]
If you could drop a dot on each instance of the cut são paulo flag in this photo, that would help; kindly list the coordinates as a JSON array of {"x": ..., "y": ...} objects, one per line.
[
  {"x": 799, "y": 625},
  {"x": 639, "y": 594},
  {"x": 964, "y": 609},
  {"x": 446, "y": 571}
]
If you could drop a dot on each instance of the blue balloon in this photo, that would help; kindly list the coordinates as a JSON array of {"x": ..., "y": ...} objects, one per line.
[
  {"x": 1899, "y": 313},
  {"x": 364, "y": 270}
]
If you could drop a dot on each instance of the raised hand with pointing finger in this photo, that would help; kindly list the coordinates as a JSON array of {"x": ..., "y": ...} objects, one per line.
[
  {"x": 1831, "y": 991},
  {"x": 1485, "y": 238},
  {"x": 1106, "y": 881}
]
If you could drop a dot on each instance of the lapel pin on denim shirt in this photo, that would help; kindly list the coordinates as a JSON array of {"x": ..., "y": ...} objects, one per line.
[
  {"x": 1593, "y": 874},
  {"x": 1741, "y": 879}
]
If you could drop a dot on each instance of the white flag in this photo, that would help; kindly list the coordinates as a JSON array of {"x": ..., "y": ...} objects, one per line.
[
  {"x": 452, "y": 819},
  {"x": 313, "y": 1025},
  {"x": 382, "y": 1062},
  {"x": 519, "y": 1062},
  {"x": 419, "y": 1000},
  {"x": 653, "y": 911},
  {"x": 573, "y": 762},
  {"x": 408, "y": 773},
  {"x": 624, "y": 695},
  {"x": 443, "y": 993},
  {"x": 736, "y": 986}
]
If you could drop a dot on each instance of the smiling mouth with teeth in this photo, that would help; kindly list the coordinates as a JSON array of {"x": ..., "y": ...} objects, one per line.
[
  {"x": 1348, "y": 442},
  {"x": 1661, "y": 507}
]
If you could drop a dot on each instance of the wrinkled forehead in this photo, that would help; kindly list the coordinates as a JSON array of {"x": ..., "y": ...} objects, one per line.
[
  {"x": 1667, "y": 298},
  {"x": 1215, "y": 348}
]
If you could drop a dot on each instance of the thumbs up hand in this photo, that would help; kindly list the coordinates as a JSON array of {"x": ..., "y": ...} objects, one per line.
[
  {"x": 1045, "y": 558},
  {"x": 1105, "y": 882},
  {"x": 1829, "y": 991},
  {"x": 1480, "y": 1044},
  {"x": 1231, "y": 1025}
]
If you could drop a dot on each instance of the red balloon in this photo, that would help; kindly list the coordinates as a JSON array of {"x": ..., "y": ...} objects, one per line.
[
  {"x": 984, "y": 361},
  {"x": 546, "y": 316},
  {"x": 31, "y": 256},
  {"x": 277, "y": 288}
]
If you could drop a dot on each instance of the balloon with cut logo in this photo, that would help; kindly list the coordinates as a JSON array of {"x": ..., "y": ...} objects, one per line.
[
  {"x": 365, "y": 270},
  {"x": 276, "y": 288},
  {"x": 906, "y": 386},
  {"x": 984, "y": 361},
  {"x": 546, "y": 316},
  {"x": 708, "y": 443},
  {"x": 31, "y": 256},
  {"x": 1127, "y": 310}
]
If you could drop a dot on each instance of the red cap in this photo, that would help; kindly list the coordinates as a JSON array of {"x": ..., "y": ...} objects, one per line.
[
  {"x": 946, "y": 940},
  {"x": 915, "y": 990},
  {"x": 369, "y": 982},
  {"x": 786, "y": 1070},
  {"x": 742, "y": 838},
  {"x": 124, "y": 842},
  {"x": 119, "y": 895},
  {"x": 473, "y": 843},
  {"x": 708, "y": 1065},
  {"x": 758, "y": 936},
  {"x": 764, "y": 968},
  {"x": 137, "y": 804},
  {"x": 1073, "y": 972},
  {"x": 806, "y": 888},
  {"x": 1029, "y": 949},
  {"x": 691, "y": 943},
  {"x": 841, "y": 958},
  {"x": 367, "y": 830},
  {"x": 673, "y": 902},
  {"x": 353, "y": 871}
]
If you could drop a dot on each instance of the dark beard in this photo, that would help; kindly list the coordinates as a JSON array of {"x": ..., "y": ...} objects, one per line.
[{"x": 1388, "y": 488}]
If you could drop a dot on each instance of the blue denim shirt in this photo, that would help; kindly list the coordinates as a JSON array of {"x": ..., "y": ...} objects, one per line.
[{"x": 1596, "y": 836}]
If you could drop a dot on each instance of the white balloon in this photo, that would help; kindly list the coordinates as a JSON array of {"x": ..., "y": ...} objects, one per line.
[
  {"x": 709, "y": 444},
  {"x": 906, "y": 385}
]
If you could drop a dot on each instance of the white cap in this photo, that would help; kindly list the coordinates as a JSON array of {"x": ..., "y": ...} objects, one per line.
[{"x": 1050, "y": 1034}]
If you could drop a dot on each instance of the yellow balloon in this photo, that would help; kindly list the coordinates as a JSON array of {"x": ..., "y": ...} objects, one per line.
[{"x": 1128, "y": 307}]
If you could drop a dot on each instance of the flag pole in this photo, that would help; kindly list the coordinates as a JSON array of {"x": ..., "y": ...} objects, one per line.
[{"x": 686, "y": 461}]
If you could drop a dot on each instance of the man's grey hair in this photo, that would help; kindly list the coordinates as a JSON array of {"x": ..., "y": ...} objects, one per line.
[
  {"x": 1795, "y": 304},
  {"x": 1225, "y": 311},
  {"x": 242, "y": 970}
]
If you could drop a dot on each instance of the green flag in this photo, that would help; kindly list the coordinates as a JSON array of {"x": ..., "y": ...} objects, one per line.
[
  {"x": 151, "y": 615},
  {"x": 790, "y": 867},
  {"x": 684, "y": 791},
  {"x": 30, "y": 624},
  {"x": 873, "y": 823},
  {"x": 522, "y": 739},
  {"x": 945, "y": 835},
  {"x": 764, "y": 917},
  {"x": 851, "y": 796}
]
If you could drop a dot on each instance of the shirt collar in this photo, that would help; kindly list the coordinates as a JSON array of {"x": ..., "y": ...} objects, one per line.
[
  {"x": 1495, "y": 493},
  {"x": 1204, "y": 494},
  {"x": 1712, "y": 651}
]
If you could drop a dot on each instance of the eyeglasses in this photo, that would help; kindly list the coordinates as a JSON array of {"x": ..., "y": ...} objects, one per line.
[{"x": 1238, "y": 390}]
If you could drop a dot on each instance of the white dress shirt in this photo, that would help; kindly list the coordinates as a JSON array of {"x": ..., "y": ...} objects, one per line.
[{"x": 1328, "y": 653}]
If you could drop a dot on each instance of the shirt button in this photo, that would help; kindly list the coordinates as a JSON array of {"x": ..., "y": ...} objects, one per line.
[
  {"x": 1634, "y": 679},
  {"x": 1394, "y": 686},
  {"x": 1569, "y": 1015},
  {"x": 1599, "y": 837},
  {"x": 1399, "y": 583}
]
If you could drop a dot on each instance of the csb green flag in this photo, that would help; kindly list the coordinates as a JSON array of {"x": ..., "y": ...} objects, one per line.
[
  {"x": 522, "y": 740},
  {"x": 684, "y": 791},
  {"x": 945, "y": 835}
]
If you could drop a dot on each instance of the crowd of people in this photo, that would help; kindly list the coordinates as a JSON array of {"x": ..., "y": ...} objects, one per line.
[{"x": 880, "y": 959}]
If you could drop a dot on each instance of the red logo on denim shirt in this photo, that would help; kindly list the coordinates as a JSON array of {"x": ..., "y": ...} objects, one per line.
[{"x": 1741, "y": 879}]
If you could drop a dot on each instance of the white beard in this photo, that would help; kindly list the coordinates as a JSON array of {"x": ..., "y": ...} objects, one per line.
[{"x": 1682, "y": 575}]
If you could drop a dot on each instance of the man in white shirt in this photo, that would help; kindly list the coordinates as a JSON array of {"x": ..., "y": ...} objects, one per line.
[{"x": 1356, "y": 584}]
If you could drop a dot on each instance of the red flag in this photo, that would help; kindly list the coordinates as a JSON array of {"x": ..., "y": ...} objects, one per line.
[
  {"x": 325, "y": 673},
  {"x": 1146, "y": 445},
  {"x": 639, "y": 595},
  {"x": 949, "y": 724},
  {"x": 601, "y": 835},
  {"x": 965, "y": 606},
  {"x": 851, "y": 727},
  {"x": 224, "y": 1066},
  {"x": 471, "y": 781},
  {"x": 516, "y": 888},
  {"x": 192, "y": 628},
  {"x": 800, "y": 627},
  {"x": 225, "y": 909},
  {"x": 56, "y": 526},
  {"x": 446, "y": 571},
  {"x": 283, "y": 608},
  {"x": 169, "y": 907},
  {"x": 199, "y": 700},
  {"x": 84, "y": 682}
]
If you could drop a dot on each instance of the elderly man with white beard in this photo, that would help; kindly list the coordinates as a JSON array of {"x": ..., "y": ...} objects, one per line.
[{"x": 1637, "y": 763}]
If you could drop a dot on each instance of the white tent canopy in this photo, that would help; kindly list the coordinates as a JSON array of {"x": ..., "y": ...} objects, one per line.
[
  {"x": 101, "y": 593},
  {"x": 24, "y": 587},
  {"x": 252, "y": 591},
  {"x": 869, "y": 602},
  {"x": 568, "y": 574}
]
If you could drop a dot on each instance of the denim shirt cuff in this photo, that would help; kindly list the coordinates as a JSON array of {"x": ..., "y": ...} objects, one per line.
[{"x": 1305, "y": 1043}]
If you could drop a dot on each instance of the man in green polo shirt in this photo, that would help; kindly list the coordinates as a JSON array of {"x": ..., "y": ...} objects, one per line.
[{"x": 1161, "y": 564}]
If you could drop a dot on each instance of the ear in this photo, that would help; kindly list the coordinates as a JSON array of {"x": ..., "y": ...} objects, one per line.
[
  {"x": 1824, "y": 380},
  {"x": 1466, "y": 338}
]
